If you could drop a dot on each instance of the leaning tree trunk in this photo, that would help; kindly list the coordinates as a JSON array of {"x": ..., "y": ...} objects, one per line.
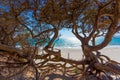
[
  {"x": 95, "y": 61},
  {"x": 50, "y": 43}
]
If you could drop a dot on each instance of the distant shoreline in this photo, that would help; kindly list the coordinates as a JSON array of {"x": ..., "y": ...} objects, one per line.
[
  {"x": 109, "y": 46},
  {"x": 74, "y": 53}
]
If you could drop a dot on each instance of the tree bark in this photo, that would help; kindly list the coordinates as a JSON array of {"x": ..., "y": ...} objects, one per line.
[{"x": 50, "y": 44}]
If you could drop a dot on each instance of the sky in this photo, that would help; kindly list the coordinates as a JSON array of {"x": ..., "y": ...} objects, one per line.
[{"x": 67, "y": 34}]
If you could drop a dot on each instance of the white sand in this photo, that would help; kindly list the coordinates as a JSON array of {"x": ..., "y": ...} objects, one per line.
[
  {"x": 76, "y": 54},
  {"x": 112, "y": 52}
]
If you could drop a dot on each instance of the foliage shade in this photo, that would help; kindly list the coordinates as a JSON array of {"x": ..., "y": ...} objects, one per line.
[{"x": 41, "y": 20}]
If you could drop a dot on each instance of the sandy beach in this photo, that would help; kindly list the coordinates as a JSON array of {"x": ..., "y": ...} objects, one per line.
[{"x": 76, "y": 54}]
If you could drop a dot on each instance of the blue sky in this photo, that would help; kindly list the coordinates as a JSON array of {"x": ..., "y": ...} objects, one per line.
[{"x": 66, "y": 33}]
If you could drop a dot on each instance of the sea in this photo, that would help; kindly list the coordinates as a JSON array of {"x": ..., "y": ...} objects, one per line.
[
  {"x": 73, "y": 42},
  {"x": 68, "y": 40}
]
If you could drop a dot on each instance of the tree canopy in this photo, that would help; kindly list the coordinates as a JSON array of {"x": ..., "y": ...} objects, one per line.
[{"x": 39, "y": 21}]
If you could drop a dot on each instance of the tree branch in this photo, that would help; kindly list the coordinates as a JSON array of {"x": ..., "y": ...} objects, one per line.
[
  {"x": 11, "y": 50},
  {"x": 46, "y": 31}
]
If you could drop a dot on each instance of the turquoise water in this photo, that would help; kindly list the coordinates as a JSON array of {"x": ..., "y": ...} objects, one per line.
[
  {"x": 115, "y": 41},
  {"x": 74, "y": 43},
  {"x": 68, "y": 40},
  {"x": 67, "y": 43}
]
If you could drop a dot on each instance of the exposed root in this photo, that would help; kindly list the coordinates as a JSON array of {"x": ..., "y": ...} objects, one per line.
[{"x": 51, "y": 63}]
